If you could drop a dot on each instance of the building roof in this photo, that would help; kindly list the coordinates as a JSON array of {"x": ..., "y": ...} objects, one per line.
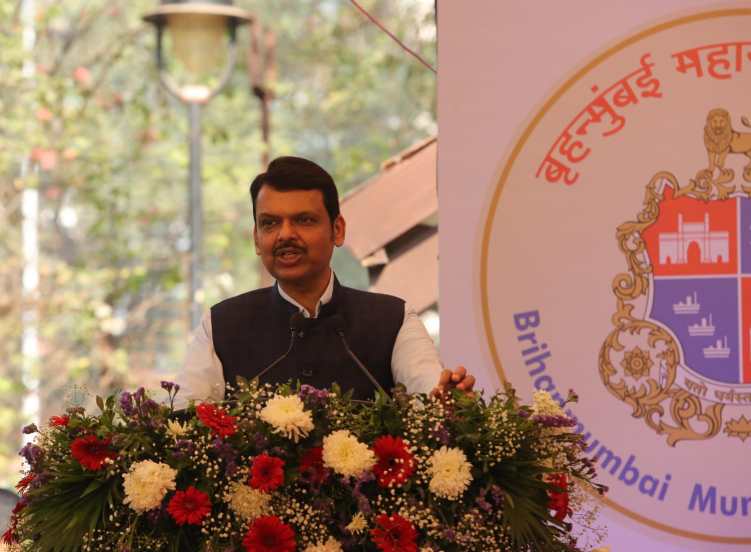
[
  {"x": 413, "y": 275},
  {"x": 392, "y": 202}
]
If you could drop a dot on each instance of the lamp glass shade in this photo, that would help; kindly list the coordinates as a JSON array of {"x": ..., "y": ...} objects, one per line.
[{"x": 198, "y": 42}]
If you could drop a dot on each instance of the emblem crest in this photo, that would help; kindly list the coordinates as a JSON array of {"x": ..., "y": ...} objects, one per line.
[{"x": 679, "y": 353}]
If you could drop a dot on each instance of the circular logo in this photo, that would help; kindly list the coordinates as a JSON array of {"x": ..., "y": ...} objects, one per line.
[{"x": 616, "y": 261}]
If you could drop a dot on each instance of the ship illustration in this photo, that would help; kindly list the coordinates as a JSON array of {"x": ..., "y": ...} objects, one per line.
[
  {"x": 719, "y": 350},
  {"x": 702, "y": 329},
  {"x": 688, "y": 306}
]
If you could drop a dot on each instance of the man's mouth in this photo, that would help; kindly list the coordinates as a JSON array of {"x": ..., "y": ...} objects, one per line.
[{"x": 288, "y": 254}]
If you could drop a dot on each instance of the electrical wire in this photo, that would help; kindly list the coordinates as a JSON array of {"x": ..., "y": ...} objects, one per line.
[{"x": 392, "y": 36}]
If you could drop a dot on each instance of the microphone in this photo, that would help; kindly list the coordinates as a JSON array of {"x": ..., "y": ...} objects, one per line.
[
  {"x": 296, "y": 323},
  {"x": 338, "y": 322}
]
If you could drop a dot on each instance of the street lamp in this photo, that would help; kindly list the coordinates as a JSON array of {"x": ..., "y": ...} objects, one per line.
[{"x": 202, "y": 36}]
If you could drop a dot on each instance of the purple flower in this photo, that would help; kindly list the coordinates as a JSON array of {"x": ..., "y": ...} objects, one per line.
[
  {"x": 167, "y": 386},
  {"x": 496, "y": 495},
  {"x": 260, "y": 441},
  {"x": 555, "y": 421},
  {"x": 449, "y": 535},
  {"x": 29, "y": 429},
  {"x": 483, "y": 504},
  {"x": 31, "y": 453},
  {"x": 312, "y": 393},
  {"x": 363, "y": 503},
  {"x": 39, "y": 481},
  {"x": 228, "y": 454},
  {"x": 149, "y": 407},
  {"x": 442, "y": 435},
  {"x": 185, "y": 446},
  {"x": 126, "y": 403}
]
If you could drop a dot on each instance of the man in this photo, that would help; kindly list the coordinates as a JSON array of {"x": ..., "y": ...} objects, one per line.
[{"x": 262, "y": 332}]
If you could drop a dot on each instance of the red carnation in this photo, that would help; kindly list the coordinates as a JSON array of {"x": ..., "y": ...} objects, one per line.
[
  {"x": 9, "y": 537},
  {"x": 189, "y": 506},
  {"x": 217, "y": 420},
  {"x": 558, "y": 502},
  {"x": 269, "y": 534},
  {"x": 25, "y": 482},
  {"x": 311, "y": 466},
  {"x": 394, "y": 534},
  {"x": 91, "y": 452},
  {"x": 267, "y": 473},
  {"x": 395, "y": 463},
  {"x": 59, "y": 421}
]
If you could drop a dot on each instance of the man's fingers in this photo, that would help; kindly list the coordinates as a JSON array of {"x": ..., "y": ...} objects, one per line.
[
  {"x": 445, "y": 378},
  {"x": 467, "y": 383},
  {"x": 458, "y": 374},
  {"x": 444, "y": 381}
]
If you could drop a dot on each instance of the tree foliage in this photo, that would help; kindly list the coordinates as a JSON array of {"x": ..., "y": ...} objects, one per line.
[{"x": 90, "y": 128}]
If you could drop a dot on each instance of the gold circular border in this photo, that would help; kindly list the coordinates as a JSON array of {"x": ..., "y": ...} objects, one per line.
[{"x": 494, "y": 205}]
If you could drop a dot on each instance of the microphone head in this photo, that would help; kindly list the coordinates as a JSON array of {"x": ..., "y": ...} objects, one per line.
[
  {"x": 296, "y": 321},
  {"x": 337, "y": 322}
]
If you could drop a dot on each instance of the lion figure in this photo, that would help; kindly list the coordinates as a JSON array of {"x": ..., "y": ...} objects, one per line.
[{"x": 720, "y": 139}]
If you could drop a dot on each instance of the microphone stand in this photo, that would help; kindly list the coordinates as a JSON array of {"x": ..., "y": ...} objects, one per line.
[
  {"x": 295, "y": 323},
  {"x": 339, "y": 329}
]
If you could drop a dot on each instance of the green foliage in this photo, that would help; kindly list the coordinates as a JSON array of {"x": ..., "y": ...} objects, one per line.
[
  {"x": 465, "y": 473},
  {"x": 68, "y": 507}
]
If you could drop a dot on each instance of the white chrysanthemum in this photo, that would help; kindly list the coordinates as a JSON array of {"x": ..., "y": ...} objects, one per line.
[
  {"x": 287, "y": 415},
  {"x": 331, "y": 545},
  {"x": 358, "y": 524},
  {"x": 176, "y": 429},
  {"x": 544, "y": 405},
  {"x": 247, "y": 502},
  {"x": 450, "y": 473},
  {"x": 347, "y": 456},
  {"x": 146, "y": 483}
]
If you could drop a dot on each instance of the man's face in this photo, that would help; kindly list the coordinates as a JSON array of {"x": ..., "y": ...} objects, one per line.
[{"x": 294, "y": 236}]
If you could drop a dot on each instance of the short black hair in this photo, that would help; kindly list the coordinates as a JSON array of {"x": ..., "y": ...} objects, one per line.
[{"x": 295, "y": 173}]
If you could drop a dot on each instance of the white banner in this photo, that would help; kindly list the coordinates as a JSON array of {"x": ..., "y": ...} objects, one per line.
[{"x": 595, "y": 211}]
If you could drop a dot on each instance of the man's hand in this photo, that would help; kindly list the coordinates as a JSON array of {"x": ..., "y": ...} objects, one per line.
[{"x": 459, "y": 378}]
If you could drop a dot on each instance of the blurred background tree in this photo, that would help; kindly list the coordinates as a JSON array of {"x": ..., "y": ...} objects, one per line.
[{"x": 106, "y": 149}]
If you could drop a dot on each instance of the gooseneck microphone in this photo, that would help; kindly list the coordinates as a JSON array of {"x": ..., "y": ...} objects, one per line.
[
  {"x": 296, "y": 323},
  {"x": 338, "y": 322}
]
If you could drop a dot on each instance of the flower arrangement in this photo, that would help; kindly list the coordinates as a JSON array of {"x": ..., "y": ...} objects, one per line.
[{"x": 289, "y": 467}]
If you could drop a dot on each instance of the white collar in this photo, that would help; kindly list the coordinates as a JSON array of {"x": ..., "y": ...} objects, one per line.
[{"x": 328, "y": 293}]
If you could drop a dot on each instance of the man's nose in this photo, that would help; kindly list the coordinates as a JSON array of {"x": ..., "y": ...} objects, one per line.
[{"x": 286, "y": 230}]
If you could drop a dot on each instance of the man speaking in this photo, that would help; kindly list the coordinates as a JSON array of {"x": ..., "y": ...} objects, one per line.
[{"x": 307, "y": 326}]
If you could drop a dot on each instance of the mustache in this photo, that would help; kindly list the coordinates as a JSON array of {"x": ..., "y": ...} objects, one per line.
[{"x": 287, "y": 247}]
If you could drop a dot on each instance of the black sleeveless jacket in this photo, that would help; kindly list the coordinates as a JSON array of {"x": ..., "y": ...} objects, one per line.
[{"x": 252, "y": 330}]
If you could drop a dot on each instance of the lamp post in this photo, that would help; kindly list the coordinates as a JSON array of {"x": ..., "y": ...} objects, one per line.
[{"x": 202, "y": 36}]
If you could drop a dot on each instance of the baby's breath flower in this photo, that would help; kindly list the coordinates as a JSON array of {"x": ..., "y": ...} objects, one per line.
[
  {"x": 544, "y": 405},
  {"x": 247, "y": 502},
  {"x": 346, "y": 455},
  {"x": 450, "y": 473},
  {"x": 331, "y": 545},
  {"x": 288, "y": 417}
]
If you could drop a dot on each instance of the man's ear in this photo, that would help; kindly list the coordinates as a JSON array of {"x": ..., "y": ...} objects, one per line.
[
  {"x": 340, "y": 227},
  {"x": 255, "y": 240}
]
